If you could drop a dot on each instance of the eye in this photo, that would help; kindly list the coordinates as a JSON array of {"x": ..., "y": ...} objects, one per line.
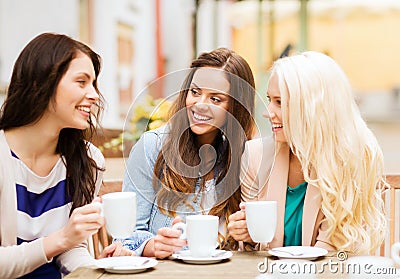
[
  {"x": 215, "y": 100},
  {"x": 81, "y": 81},
  {"x": 268, "y": 99},
  {"x": 194, "y": 92}
]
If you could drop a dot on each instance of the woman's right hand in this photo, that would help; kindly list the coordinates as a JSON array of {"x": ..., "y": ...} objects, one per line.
[
  {"x": 116, "y": 250},
  {"x": 237, "y": 226},
  {"x": 83, "y": 222},
  {"x": 167, "y": 241}
]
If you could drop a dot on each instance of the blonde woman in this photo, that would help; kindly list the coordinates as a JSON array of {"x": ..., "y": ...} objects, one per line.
[{"x": 324, "y": 166}]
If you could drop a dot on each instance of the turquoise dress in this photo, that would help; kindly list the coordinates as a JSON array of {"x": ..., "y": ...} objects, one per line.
[{"x": 294, "y": 214}]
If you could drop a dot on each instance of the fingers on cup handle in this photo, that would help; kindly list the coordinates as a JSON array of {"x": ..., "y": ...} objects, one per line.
[
  {"x": 180, "y": 227},
  {"x": 96, "y": 199},
  {"x": 100, "y": 206}
]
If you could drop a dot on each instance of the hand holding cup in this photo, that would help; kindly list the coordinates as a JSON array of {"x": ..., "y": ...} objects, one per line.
[{"x": 237, "y": 226}]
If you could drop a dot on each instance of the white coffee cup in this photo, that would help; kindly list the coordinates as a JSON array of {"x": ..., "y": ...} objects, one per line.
[
  {"x": 395, "y": 253},
  {"x": 201, "y": 232},
  {"x": 119, "y": 211},
  {"x": 261, "y": 217}
]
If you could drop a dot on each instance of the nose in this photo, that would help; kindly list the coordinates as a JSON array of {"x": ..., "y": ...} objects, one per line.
[
  {"x": 92, "y": 93},
  {"x": 201, "y": 106},
  {"x": 201, "y": 103},
  {"x": 269, "y": 112},
  {"x": 266, "y": 114}
]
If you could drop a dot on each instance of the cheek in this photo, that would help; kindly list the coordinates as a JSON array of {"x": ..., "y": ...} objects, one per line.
[
  {"x": 221, "y": 115},
  {"x": 269, "y": 107},
  {"x": 189, "y": 101},
  {"x": 279, "y": 114},
  {"x": 275, "y": 111}
]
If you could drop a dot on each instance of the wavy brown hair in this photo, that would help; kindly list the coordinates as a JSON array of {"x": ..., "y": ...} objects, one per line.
[
  {"x": 181, "y": 145},
  {"x": 35, "y": 77}
]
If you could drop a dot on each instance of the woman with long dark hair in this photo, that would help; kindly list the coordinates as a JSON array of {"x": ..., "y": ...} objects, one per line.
[{"x": 49, "y": 171}]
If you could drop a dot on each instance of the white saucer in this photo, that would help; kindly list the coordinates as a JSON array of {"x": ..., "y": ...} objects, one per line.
[
  {"x": 299, "y": 252},
  {"x": 217, "y": 256},
  {"x": 128, "y": 264}
]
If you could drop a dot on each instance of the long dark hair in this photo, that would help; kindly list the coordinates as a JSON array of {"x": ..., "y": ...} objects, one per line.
[
  {"x": 35, "y": 77},
  {"x": 228, "y": 144}
]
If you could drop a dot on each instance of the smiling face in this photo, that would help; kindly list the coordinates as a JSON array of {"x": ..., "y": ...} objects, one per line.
[
  {"x": 75, "y": 95},
  {"x": 207, "y": 102},
  {"x": 274, "y": 110}
]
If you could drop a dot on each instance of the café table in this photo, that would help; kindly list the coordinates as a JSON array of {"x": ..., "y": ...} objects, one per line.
[{"x": 240, "y": 265}]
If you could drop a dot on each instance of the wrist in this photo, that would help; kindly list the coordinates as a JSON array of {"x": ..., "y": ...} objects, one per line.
[
  {"x": 148, "y": 250},
  {"x": 55, "y": 244}
]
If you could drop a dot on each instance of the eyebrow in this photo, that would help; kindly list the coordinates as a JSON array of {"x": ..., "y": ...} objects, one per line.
[
  {"x": 195, "y": 85},
  {"x": 273, "y": 96},
  {"x": 86, "y": 75},
  {"x": 214, "y": 93}
]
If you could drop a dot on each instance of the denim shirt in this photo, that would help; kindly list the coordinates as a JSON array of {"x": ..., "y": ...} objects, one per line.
[{"x": 138, "y": 178}]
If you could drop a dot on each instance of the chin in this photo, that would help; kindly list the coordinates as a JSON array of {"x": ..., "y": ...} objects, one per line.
[
  {"x": 81, "y": 126},
  {"x": 198, "y": 131}
]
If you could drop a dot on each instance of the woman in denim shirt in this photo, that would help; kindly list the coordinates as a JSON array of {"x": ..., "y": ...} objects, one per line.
[{"x": 191, "y": 166}]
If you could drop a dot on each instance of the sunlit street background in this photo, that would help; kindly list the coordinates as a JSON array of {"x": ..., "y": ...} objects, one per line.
[{"x": 143, "y": 40}]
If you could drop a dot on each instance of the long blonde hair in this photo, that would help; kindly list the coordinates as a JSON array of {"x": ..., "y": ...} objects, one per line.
[{"x": 338, "y": 152}]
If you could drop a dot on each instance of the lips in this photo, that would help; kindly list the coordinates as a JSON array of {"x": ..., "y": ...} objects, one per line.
[
  {"x": 83, "y": 108},
  {"x": 276, "y": 127},
  {"x": 200, "y": 117}
]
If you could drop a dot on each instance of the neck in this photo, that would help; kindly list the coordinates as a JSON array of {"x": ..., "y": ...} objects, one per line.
[
  {"x": 207, "y": 138},
  {"x": 295, "y": 176},
  {"x": 35, "y": 147},
  {"x": 42, "y": 141}
]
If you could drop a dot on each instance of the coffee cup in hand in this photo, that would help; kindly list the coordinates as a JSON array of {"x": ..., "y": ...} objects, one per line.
[
  {"x": 261, "y": 218},
  {"x": 119, "y": 211},
  {"x": 201, "y": 232}
]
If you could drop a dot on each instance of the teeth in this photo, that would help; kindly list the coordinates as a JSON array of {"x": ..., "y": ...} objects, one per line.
[
  {"x": 200, "y": 117},
  {"x": 85, "y": 109},
  {"x": 277, "y": 125}
]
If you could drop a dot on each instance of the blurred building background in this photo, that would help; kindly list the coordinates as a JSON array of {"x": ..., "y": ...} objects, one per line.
[{"x": 142, "y": 40}]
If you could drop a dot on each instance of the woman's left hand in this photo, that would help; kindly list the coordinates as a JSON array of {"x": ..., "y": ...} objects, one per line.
[{"x": 116, "y": 250}]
